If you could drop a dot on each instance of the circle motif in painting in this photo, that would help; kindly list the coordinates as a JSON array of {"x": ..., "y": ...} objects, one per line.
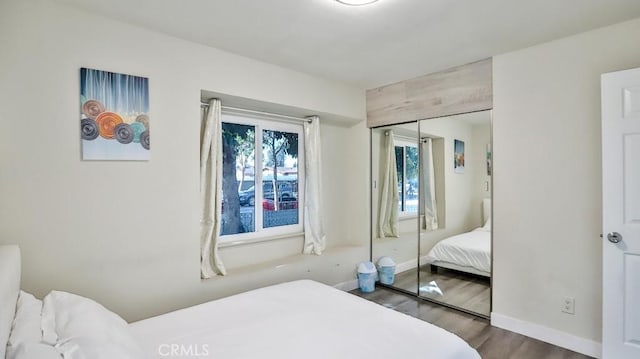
[
  {"x": 92, "y": 109},
  {"x": 88, "y": 129},
  {"x": 137, "y": 128},
  {"x": 144, "y": 119},
  {"x": 123, "y": 133},
  {"x": 107, "y": 122},
  {"x": 145, "y": 141}
]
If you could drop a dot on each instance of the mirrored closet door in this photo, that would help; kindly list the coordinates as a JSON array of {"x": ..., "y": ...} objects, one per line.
[
  {"x": 455, "y": 234},
  {"x": 436, "y": 225}
]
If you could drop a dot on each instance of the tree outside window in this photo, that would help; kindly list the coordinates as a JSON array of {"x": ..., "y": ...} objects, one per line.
[{"x": 407, "y": 169}]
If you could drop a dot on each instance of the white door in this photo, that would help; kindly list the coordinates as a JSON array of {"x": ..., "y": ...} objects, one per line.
[{"x": 621, "y": 214}]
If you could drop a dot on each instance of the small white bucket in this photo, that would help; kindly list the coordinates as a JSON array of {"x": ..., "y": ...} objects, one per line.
[
  {"x": 386, "y": 270},
  {"x": 367, "y": 277}
]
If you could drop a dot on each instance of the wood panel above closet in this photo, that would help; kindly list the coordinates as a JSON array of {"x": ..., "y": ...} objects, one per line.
[{"x": 461, "y": 89}]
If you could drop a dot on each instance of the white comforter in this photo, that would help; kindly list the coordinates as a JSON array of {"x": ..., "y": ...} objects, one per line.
[
  {"x": 301, "y": 319},
  {"x": 470, "y": 249}
]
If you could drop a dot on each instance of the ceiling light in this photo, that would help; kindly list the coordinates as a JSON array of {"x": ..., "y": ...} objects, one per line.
[{"x": 356, "y": 2}]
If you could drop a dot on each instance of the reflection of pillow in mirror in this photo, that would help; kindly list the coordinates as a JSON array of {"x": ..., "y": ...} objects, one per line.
[{"x": 487, "y": 225}]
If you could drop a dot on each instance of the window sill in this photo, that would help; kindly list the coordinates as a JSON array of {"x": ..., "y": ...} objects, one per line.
[
  {"x": 300, "y": 265},
  {"x": 407, "y": 217},
  {"x": 242, "y": 242}
]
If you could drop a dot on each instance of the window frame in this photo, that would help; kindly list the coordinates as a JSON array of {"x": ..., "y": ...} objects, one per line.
[
  {"x": 261, "y": 233},
  {"x": 404, "y": 143}
]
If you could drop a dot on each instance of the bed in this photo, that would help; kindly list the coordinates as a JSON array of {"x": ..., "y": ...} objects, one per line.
[
  {"x": 468, "y": 252},
  {"x": 299, "y": 319}
]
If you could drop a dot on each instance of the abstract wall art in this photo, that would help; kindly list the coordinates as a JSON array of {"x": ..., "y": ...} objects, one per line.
[
  {"x": 458, "y": 156},
  {"x": 114, "y": 116}
]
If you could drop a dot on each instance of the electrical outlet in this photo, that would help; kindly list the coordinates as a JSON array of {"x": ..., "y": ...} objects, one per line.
[{"x": 569, "y": 305}]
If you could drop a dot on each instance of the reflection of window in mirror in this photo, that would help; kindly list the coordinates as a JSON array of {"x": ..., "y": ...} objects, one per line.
[
  {"x": 432, "y": 183},
  {"x": 407, "y": 170}
]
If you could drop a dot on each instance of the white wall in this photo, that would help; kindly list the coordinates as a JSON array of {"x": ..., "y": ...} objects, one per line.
[
  {"x": 127, "y": 233},
  {"x": 547, "y": 193}
]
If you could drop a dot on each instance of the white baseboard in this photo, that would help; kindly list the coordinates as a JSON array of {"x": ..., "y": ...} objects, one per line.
[
  {"x": 348, "y": 285},
  {"x": 405, "y": 266},
  {"x": 548, "y": 335},
  {"x": 410, "y": 264},
  {"x": 400, "y": 267},
  {"x": 353, "y": 284}
]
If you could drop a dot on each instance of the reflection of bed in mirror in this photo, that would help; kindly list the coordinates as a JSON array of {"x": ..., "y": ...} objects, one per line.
[{"x": 468, "y": 252}]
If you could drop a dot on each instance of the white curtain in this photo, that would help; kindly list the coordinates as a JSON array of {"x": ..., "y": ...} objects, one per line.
[
  {"x": 429, "y": 209},
  {"x": 314, "y": 236},
  {"x": 211, "y": 191},
  {"x": 388, "y": 216}
]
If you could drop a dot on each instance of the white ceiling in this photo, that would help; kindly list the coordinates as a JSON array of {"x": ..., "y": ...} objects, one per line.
[{"x": 367, "y": 46}]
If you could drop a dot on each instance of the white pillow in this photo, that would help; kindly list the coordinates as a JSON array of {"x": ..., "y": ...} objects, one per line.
[
  {"x": 34, "y": 350},
  {"x": 83, "y": 329},
  {"x": 26, "y": 323},
  {"x": 487, "y": 225},
  {"x": 86, "y": 347}
]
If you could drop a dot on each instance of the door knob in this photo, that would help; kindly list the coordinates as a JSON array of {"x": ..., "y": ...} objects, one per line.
[{"x": 614, "y": 237}]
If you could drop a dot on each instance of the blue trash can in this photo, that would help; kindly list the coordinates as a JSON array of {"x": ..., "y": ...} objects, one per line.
[
  {"x": 386, "y": 270},
  {"x": 367, "y": 277}
]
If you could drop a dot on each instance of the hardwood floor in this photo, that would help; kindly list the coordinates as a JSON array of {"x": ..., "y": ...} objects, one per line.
[
  {"x": 490, "y": 342},
  {"x": 462, "y": 290}
]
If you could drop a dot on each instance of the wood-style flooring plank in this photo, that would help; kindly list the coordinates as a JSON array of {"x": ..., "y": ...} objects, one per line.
[
  {"x": 490, "y": 342},
  {"x": 459, "y": 289}
]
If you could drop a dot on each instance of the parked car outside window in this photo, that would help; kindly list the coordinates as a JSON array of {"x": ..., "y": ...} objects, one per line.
[{"x": 285, "y": 193}]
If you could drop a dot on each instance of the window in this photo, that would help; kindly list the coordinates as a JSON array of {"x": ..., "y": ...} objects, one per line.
[
  {"x": 407, "y": 169},
  {"x": 261, "y": 190}
]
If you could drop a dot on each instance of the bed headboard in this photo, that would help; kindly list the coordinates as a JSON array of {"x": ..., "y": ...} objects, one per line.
[
  {"x": 9, "y": 290},
  {"x": 486, "y": 209}
]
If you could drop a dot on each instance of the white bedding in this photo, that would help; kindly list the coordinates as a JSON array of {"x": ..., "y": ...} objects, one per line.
[
  {"x": 470, "y": 250},
  {"x": 301, "y": 319}
]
